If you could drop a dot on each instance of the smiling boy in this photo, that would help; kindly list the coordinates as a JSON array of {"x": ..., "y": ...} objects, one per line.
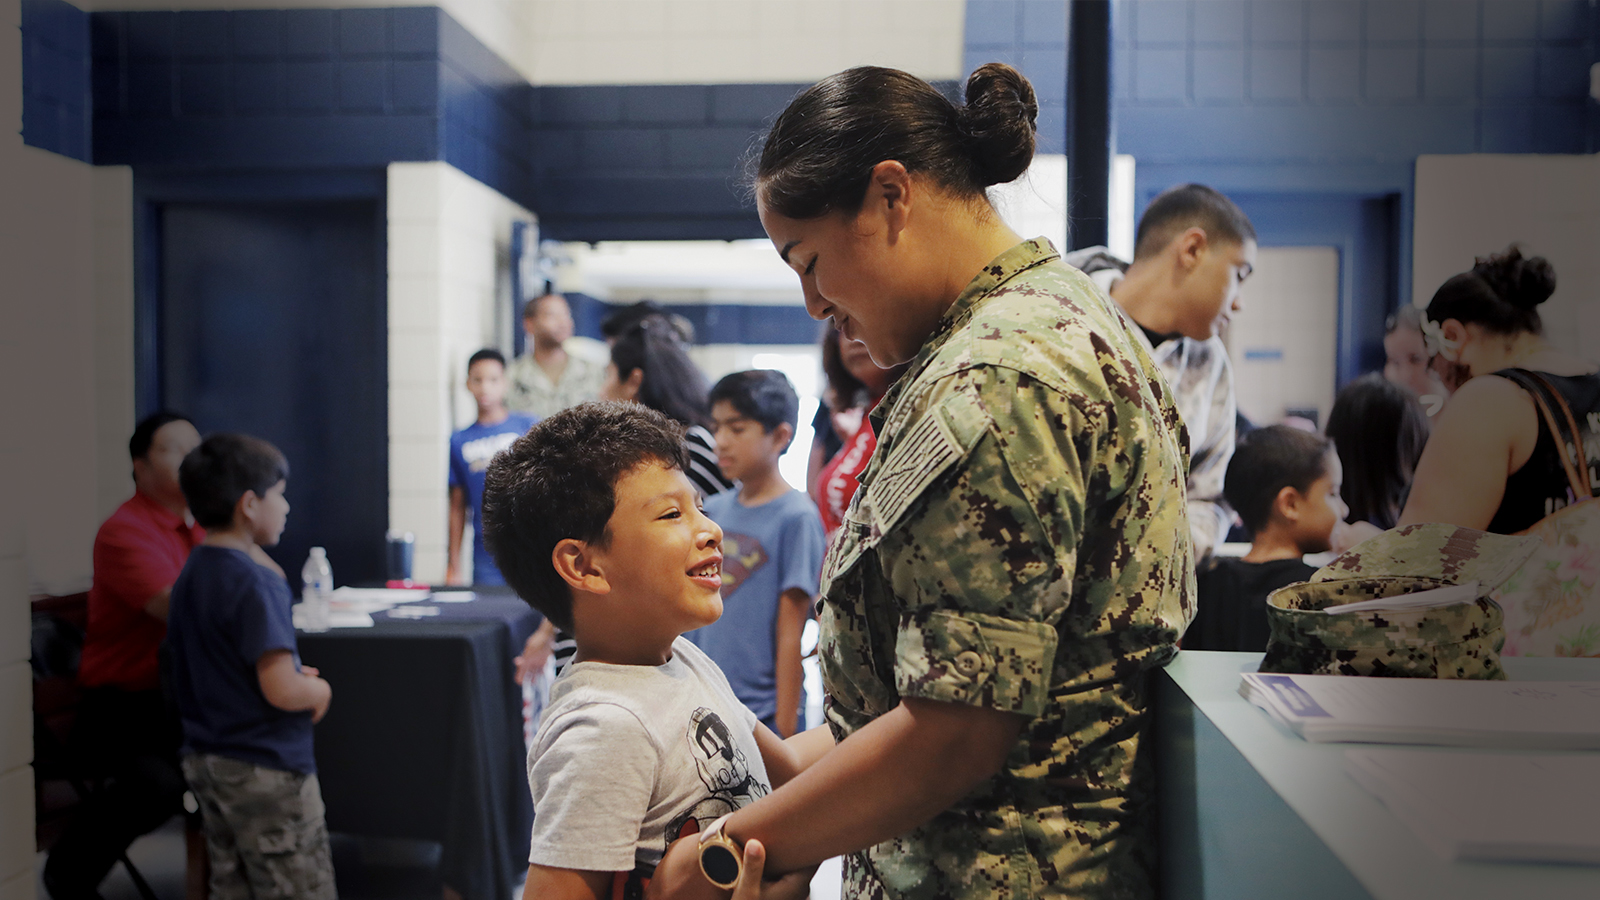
[{"x": 593, "y": 522}]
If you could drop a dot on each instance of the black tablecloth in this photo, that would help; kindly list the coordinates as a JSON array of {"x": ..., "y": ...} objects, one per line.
[{"x": 424, "y": 736}]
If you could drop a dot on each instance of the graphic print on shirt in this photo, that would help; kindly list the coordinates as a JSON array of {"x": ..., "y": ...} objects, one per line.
[
  {"x": 723, "y": 769},
  {"x": 478, "y": 453},
  {"x": 742, "y": 555}
]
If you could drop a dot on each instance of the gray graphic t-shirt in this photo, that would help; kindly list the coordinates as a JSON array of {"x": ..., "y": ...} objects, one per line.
[{"x": 626, "y": 756}]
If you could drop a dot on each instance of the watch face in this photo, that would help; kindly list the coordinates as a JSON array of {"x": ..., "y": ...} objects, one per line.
[{"x": 720, "y": 865}]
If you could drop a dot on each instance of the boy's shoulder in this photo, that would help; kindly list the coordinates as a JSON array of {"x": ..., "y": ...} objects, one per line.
[
  {"x": 224, "y": 566},
  {"x": 1235, "y": 570},
  {"x": 632, "y": 694}
]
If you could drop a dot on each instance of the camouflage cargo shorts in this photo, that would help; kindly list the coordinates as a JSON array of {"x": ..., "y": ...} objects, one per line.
[{"x": 264, "y": 829}]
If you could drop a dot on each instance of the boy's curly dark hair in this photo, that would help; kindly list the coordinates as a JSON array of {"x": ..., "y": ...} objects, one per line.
[{"x": 558, "y": 481}]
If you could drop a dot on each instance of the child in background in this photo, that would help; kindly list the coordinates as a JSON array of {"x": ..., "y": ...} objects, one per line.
[
  {"x": 471, "y": 448},
  {"x": 594, "y": 523},
  {"x": 246, "y": 703},
  {"x": 1284, "y": 483},
  {"x": 772, "y": 545}
]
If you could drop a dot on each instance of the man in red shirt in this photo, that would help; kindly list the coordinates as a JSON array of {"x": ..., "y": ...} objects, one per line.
[{"x": 124, "y": 730}]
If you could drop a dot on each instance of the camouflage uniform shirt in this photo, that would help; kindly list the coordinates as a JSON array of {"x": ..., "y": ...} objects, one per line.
[{"x": 1018, "y": 543}]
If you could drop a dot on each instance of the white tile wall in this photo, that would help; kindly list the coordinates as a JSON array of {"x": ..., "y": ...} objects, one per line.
[
  {"x": 681, "y": 41},
  {"x": 1469, "y": 206},
  {"x": 22, "y": 887},
  {"x": 113, "y": 335},
  {"x": 16, "y": 825},
  {"x": 714, "y": 41},
  {"x": 1036, "y": 203},
  {"x": 16, "y": 707},
  {"x": 449, "y": 296}
]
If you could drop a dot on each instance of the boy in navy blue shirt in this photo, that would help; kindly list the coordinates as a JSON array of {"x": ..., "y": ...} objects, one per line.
[
  {"x": 471, "y": 448},
  {"x": 1284, "y": 483},
  {"x": 246, "y": 703},
  {"x": 772, "y": 550}
]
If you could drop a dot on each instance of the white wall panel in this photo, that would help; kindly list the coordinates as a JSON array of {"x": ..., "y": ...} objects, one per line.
[{"x": 1282, "y": 342}]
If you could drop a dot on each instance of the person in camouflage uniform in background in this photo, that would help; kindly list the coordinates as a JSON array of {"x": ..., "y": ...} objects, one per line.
[{"x": 1017, "y": 559}]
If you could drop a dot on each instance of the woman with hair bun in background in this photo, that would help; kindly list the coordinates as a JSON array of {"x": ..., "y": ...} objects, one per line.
[
  {"x": 1016, "y": 561},
  {"x": 1492, "y": 463}
]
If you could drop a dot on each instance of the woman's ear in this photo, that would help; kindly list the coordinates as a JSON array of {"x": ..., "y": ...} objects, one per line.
[
  {"x": 578, "y": 567},
  {"x": 891, "y": 193},
  {"x": 631, "y": 385}
]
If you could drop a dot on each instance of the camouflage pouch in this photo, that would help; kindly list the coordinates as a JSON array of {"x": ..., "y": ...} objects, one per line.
[{"x": 1458, "y": 641}]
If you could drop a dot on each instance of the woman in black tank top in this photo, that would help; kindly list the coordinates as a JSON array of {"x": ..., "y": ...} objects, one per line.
[{"x": 1491, "y": 462}]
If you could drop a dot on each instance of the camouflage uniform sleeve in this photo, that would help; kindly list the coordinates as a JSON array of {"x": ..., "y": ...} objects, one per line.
[{"x": 983, "y": 560}]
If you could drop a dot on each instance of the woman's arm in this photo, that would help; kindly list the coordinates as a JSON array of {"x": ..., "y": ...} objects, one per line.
[
  {"x": 1486, "y": 432},
  {"x": 897, "y": 772}
]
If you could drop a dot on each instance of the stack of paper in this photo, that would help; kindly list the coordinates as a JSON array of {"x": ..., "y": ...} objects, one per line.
[
  {"x": 1445, "y": 596},
  {"x": 371, "y": 600},
  {"x": 337, "y": 618},
  {"x": 1514, "y": 715},
  {"x": 1490, "y": 806}
]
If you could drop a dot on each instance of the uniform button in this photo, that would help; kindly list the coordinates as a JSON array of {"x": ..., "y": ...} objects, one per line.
[{"x": 968, "y": 662}]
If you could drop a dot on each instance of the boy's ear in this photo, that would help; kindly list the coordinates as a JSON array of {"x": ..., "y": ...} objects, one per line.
[
  {"x": 1287, "y": 505},
  {"x": 244, "y": 509},
  {"x": 578, "y": 567},
  {"x": 784, "y": 432}
]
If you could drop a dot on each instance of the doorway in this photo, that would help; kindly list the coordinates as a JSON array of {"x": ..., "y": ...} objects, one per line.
[{"x": 271, "y": 320}]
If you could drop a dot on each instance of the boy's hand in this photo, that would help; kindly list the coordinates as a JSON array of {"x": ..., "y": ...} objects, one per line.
[{"x": 324, "y": 698}]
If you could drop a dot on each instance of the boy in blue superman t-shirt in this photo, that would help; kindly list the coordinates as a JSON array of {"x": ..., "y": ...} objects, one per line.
[
  {"x": 471, "y": 448},
  {"x": 772, "y": 550}
]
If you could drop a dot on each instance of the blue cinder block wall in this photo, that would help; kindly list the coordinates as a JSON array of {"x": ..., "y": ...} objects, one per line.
[{"x": 1345, "y": 94}]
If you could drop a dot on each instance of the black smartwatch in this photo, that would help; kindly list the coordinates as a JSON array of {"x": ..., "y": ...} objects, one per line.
[{"x": 721, "y": 859}]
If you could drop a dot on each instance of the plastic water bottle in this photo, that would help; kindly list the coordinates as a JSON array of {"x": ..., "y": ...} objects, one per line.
[{"x": 316, "y": 591}]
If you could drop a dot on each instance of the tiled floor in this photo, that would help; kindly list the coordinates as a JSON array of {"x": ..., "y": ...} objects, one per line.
[{"x": 367, "y": 870}]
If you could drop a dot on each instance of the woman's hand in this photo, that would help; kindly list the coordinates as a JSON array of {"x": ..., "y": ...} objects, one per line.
[
  {"x": 536, "y": 652},
  {"x": 1349, "y": 534},
  {"x": 678, "y": 877}
]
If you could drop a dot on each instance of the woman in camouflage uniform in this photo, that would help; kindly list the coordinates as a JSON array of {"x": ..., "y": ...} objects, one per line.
[{"x": 1017, "y": 558}]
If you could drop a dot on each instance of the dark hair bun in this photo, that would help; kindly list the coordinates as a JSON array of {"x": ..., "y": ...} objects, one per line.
[
  {"x": 1523, "y": 282},
  {"x": 999, "y": 119}
]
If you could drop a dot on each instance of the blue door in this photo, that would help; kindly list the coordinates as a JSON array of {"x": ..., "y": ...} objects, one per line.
[{"x": 271, "y": 321}]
